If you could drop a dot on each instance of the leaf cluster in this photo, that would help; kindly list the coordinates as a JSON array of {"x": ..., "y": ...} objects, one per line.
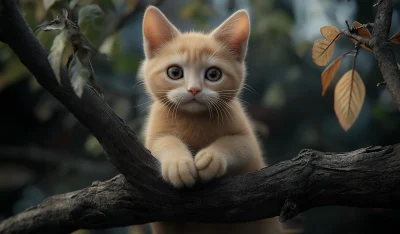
[
  {"x": 71, "y": 49},
  {"x": 350, "y": 91}
]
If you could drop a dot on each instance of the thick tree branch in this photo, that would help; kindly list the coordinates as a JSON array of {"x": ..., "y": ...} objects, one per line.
[
  {"x": 363, "y": 178},
  {"x": 121, "y": 145},
  {"x": 382, "y": 50}
]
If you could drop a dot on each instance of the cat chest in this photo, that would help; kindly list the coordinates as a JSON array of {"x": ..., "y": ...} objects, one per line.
[{"x": 198, "y": 136}]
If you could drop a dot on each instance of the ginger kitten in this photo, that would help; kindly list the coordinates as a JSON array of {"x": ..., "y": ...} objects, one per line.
[{"x": 197, "y": 127}]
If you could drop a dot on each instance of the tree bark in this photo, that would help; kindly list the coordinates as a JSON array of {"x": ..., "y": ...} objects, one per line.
[
  {"x": 382, "y": 49},
  {"x": 363, "y": 178}
]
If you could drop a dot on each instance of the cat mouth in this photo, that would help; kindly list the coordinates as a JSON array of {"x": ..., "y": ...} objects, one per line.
[{"x": 193, "y": 101}]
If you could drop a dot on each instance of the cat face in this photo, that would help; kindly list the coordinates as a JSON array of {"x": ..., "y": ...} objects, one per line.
[{"x": 194, "y": 72}]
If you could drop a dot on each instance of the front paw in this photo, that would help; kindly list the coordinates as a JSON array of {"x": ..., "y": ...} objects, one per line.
[
  {"x": 179, "y": 171},
  {"x": 210, "y": 164}
]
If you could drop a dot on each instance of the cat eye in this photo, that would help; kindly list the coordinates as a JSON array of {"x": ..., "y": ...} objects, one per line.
[
  {"x": 175, "y": 72},
  {"x": 213, "y": 74}
]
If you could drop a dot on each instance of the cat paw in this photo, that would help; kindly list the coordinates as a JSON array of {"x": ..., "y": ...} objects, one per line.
[
  {"x": 180, "y": 172},
  {"x": 210, "y": 164}
]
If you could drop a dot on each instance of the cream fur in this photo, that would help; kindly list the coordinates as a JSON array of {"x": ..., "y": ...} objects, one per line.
[{"x": 208, "y": 135}]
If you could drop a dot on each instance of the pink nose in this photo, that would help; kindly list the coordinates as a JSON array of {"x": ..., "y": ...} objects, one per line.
[{"x": 194, "y": 91}]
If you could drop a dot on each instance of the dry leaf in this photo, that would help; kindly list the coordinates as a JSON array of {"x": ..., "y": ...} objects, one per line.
[
  {"x": 362, "y": 32},
  {"x": 60, "y": 51},
  {"x": 329, "y": 73},
  {"x": 322, "y": 51},
  {"x": 80, "y": 74},
  {"x": 349, "y": 98},
  {"x": 395, "y": 38},
  {"x": 330, "y": 32}
]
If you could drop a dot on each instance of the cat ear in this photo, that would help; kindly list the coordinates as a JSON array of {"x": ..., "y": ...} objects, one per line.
[
  {"x": 157, "y": 30},
  {"x": 234, "y": 32}
]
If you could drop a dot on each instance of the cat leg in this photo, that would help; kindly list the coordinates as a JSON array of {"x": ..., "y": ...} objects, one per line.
[
  {"x": 177, "y": 165},
  {"x": 228, "y": 154}
]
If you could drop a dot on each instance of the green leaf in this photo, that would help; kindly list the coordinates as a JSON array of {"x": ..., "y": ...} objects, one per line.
[
  {"x": 60, "y": 52},
  {"x": 79, "y": 73},
  {"x": 91, "y": 23}
]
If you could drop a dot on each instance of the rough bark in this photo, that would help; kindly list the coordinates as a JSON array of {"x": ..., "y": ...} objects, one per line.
[
  {"x": 382, "y": 49},
  {"x": 364, "y": 178}
]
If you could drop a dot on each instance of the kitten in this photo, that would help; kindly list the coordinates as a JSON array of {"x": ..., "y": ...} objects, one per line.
[{"x": 197, "y": 128}]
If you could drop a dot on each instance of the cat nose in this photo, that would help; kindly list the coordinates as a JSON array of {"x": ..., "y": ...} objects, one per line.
[{"x": 194, "y": 91}]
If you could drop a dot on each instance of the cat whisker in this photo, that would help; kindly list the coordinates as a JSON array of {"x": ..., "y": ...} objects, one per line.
[
  {"x": 144, "y": 103},
  {"x": 249, "y": 88},
  {"x": 219, "y": 111},
  {"x": 138, "y": 83},
  {"x": 228, "y": 106},
  {"x": 226, "y": 98},
  {"x": 209, "y": 107}
]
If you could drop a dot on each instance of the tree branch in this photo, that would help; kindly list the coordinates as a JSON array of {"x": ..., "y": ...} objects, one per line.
[
  {"x": 312, "y": 179},
  {"x": 362, "y": 40},
  {"x": 382, "y": 50},
  {"x": 119, "y": 142}
]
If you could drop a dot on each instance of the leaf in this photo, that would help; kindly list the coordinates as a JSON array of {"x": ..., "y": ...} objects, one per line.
[
  {"x": 91, "y": 23},
  {"x": 60, "y": 52},
  {"x": 362, "y": 32},
  {"x": 58, "y": 23},
  {"x": 395, "y": 38},
  {"x": 322, "y": 51},
  {"x": 329, "y": 73},
  {"x": 349, "y": 98},
  {"x": 108, "y": 46},
  {"x": 330, "y": 32},
  {"x": 79, "y": 73}
]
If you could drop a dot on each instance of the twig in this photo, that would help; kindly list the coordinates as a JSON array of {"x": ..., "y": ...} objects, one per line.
[{"x": 365, "y": 41}]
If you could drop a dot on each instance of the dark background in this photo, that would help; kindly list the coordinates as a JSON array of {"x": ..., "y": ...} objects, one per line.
[{"x": 44, "y": 150}]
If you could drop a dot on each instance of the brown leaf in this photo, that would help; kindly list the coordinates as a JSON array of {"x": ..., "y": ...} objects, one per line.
[
  {"x": 395, "y": 38},
  {"x": 330, "y": 32},
  {"x": 349, "y": 98},
  {"x": 329, "y": 73},
  {"x": 362, "y": 32},
  {"x": 322, "y": 51}
]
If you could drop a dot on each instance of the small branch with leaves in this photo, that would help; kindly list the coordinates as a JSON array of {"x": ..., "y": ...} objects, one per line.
[
  {"x": 70, "y": 49},
  {"x": 349, "y": 92}
]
